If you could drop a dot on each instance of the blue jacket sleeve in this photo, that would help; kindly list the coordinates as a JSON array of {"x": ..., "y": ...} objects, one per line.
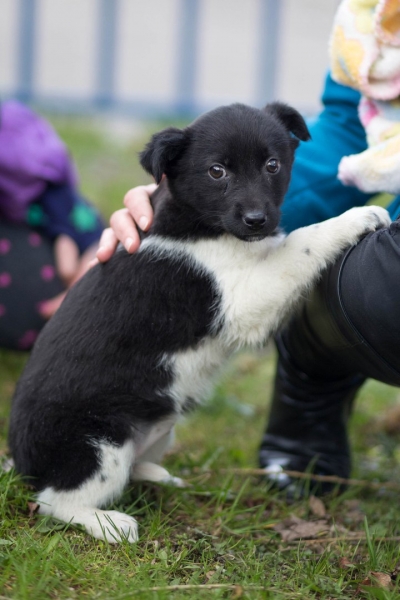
[{"x": 315, "y": 193}]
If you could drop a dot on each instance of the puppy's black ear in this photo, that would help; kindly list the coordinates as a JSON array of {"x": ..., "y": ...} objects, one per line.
[
  {"x": 164, "y": 147},
  {"x": 290, "y": 118}
]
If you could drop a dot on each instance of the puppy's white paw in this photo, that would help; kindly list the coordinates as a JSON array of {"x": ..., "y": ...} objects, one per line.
[
  {"x": 112, "y": 526},
  {"x": 364, "y": 219}
]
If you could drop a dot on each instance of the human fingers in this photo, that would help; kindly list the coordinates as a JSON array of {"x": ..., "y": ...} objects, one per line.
[
  {"x": 86, "y": 261},
  {"x": 48, "y": 307},
  {"x": 137, "y": 201},
  {"x": 66, "y": 253},
  {"x": 124, "y": 222},
  {"x": 107, "y": 245},
  {"x": 125, "y": 229}
]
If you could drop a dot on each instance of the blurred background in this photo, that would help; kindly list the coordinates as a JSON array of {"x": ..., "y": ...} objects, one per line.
[
  {"x": 163, "y": 58},
  {"x": 108, "y": 73}
]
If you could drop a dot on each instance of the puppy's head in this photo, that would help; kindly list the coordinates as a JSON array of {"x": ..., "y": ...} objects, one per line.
[{"x": 230, "y": 169}]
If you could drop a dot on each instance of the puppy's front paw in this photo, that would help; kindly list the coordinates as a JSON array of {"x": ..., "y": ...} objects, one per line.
[{"x": 364, "y": 219}]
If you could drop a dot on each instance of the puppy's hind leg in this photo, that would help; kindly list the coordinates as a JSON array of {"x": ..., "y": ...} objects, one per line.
[
  {"x": 81, "y": 505},
  {"x": 147, "y": 468},
  {"x": 148, "y": 471}
]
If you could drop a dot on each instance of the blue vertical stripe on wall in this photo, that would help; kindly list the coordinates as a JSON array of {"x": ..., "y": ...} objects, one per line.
[
  {"x": 269, "y": 30},
  {"x": 187, "y": 57},
  {"x": 26, "y": 49},
  {"x": 106, "y": 52}
]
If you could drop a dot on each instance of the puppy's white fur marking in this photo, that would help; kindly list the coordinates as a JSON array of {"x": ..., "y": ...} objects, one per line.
[
  {"x": 193, "y": 371},
  {"x": 151, "y": 439},
  {"x": 81, "y": 505}
]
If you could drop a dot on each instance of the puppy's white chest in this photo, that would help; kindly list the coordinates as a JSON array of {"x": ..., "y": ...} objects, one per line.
[
  {"x": 251, "y": 281},
  {"x": 239, "y": 274},
  {"x": 193, "y": 370}
]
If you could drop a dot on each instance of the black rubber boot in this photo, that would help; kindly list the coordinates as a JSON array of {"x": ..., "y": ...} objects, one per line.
[
  {"x": 307, "y": 429},
  {"x": 348, "y": 330}
]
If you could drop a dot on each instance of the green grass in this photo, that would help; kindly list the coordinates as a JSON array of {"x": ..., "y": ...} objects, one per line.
[{"x": 220, "y": 531}]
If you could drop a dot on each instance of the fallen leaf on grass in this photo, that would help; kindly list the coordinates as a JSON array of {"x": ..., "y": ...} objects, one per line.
[
  {"x": 317, "y": 507},
  {"x": 295, "y": 528},
  {"x": 383, "y": 579},
  {"x": 376, "y": 579}
]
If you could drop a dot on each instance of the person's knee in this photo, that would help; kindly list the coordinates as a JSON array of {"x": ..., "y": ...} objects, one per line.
[{"x": 370, "y": 295}]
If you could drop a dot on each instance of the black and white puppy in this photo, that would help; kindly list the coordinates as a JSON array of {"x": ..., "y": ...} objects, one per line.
[{"x": 137, "y": 340}]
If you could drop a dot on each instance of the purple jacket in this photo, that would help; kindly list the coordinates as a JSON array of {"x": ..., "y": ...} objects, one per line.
[{"x": 31, "y": 155}]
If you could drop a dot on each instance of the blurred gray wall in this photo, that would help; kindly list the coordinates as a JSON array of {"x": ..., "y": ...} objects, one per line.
[{"x": 150, "y": 57}]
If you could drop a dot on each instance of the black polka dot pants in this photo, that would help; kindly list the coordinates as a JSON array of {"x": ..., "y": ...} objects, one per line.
[{"x": 27, "y": 277}]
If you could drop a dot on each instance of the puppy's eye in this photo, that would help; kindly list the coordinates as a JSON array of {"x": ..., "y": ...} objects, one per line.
[
  {"x": 273, "y": 165},
  {"x": 217, "y": 172}
]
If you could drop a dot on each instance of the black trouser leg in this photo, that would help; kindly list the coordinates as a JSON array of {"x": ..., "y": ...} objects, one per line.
[{"x": 347, "y": 331}]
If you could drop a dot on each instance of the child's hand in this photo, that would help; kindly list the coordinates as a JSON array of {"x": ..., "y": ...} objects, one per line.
[
  {"x": 138, "y": 212},
  {"x": 70, "y": 267}
]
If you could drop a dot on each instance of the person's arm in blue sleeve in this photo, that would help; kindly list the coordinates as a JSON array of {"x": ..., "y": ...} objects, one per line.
[
  {"x": 315, "y": 193},
  {"x": 61, "y": 210}
]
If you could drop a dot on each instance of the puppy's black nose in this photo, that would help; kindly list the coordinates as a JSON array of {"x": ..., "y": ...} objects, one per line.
[{"x": 254, "y": 220}]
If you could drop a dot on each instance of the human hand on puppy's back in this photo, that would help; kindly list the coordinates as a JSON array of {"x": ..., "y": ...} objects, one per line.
[{"x": 124, "y": 223}]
